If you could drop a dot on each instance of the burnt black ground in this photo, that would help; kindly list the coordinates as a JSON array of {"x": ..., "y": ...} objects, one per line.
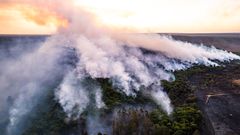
[
  {"x": 219, "y": 99},
  {"x": 217, "y": 96}
]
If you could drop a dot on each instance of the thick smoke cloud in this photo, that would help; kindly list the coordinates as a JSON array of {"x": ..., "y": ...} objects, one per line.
[
  {"x": 101, "y": 53},
  {"x": 27, "y": 78}
]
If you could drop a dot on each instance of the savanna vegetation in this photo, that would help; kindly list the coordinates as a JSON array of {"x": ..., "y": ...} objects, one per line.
[{"x": 184, "y": 120}]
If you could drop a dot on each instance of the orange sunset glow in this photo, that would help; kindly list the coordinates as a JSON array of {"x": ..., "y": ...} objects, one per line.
[{"x": 140, "y": 15}]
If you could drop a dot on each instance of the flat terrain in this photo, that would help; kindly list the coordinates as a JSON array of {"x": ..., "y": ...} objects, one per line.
[
  {"x": 213, "y": 90},
  {"x": 218, "y": 97},
  {"x": 217, "y": 89},
  {"x": 229, "y": 42}
]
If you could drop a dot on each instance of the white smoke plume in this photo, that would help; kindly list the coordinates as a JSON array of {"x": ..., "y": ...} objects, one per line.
[
  {"x": 102, "y": 53},
  {"x": 73, "y": 96}
]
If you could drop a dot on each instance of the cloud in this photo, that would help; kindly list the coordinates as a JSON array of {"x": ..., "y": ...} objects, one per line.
[{"x": 142, "y": 16}]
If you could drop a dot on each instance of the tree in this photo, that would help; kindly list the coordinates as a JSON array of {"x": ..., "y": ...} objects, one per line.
[{"x": 161, "y": 130}]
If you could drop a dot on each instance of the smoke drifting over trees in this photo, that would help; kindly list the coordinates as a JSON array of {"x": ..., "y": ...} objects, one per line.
[{"x": 70, "y": 62}]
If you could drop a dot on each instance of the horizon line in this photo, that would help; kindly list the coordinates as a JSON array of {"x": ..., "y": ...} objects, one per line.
[{"x": 165, "y": 33}]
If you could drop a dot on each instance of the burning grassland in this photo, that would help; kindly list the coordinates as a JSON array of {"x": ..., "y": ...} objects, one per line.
[{"x": 88, "y": 68}]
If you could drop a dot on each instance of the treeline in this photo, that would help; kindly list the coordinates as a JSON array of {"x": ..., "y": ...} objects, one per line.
[{"x": 183, "y": 121}]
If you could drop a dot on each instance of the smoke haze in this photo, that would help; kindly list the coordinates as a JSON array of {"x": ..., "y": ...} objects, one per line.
[{"x": 85, "y": 50}]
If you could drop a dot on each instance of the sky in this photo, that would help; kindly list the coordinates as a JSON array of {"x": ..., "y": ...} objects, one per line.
[{"x": 165, "y": 16}]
